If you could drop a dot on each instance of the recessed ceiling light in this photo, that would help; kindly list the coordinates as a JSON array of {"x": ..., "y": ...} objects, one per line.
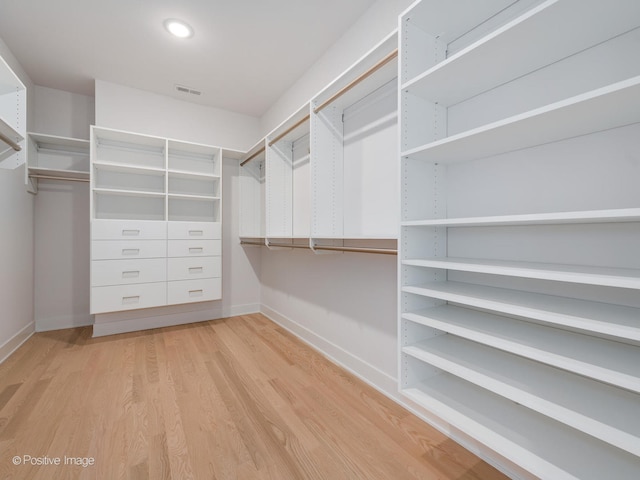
[{"x": 178, "y": 28}]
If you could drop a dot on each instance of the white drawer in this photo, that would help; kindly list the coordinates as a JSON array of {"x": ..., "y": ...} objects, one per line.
[
  {"x": 194, "y": 268},
  {"x": 194, "y": 230},
  {"x": 128, "y": 229},
  {"x": 128, "y": 297},
  {"x": 125, "y": 272},
  {"x": 187, "y": 291},
  {"x": 194, "y": 248},
  {"x": 123, "y": 249}
]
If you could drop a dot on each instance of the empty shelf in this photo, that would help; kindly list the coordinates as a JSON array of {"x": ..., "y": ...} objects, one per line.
[
  {"x": 615, "y": 320},
  {"x": 603, "y": 276},
  {"x": 608, "y": 413},
  {"x": 605, "y": 360}
]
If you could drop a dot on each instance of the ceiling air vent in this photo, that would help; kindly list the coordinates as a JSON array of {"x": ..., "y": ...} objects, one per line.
[{"x": 187, "y": 90}]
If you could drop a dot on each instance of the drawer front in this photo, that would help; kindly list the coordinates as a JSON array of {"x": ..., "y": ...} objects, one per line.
[
  {"x": 126, "y": 272},
  {"x": 194, "y": 248},
  {"x": 194, "y": 230},
  {"x": 128, "y": 297},
  {"x": 128, "y": 230},
  {"x": 128, "y": 249},
  {"x": 189, "y": 291},
  {"x": 194, "y": 268}
]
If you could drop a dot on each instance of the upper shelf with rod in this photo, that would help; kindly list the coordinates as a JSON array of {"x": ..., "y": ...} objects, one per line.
[{"x": 13, "y": 118}]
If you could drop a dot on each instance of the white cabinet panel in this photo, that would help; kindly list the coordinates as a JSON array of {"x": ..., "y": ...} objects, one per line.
[
  {"x": 194, "y": 268},
  {"x": 128, "y": 229},
  {"x": 187, "y": 291},
  {"x": 122, "y": 249},
  {"x": 194, "y": 248},
  {"x": 194, "y": 230},
  {"x": 123, "y": 272},
  {"x": 128, "y": 297}
]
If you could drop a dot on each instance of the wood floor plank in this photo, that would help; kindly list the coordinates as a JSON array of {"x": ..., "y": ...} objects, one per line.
[{"x": 232, "y": 399}]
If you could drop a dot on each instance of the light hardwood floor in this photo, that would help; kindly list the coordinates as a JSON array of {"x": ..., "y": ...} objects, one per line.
[{"x": 238, "y": 398}]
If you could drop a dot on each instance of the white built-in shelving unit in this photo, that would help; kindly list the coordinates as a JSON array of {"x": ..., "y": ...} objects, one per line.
[
  {"x": 326, "y": 176},
  {"x": 53, "y": 157},
  {"x": 519, "y": 273},
  {"x": 13, "y": 118},
  {"x": 155, "y": 221}
]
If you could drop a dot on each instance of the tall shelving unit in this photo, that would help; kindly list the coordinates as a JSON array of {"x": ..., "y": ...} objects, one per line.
[
  {"x": 13, "y": 118},
  {"x": 519, "y": 321},
  {"x": 155, "y": 221}
]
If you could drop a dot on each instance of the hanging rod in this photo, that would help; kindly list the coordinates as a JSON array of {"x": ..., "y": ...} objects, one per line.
[
  {"x": 290, "y": 129},
  {"x": 355, "y": 82},
  {"x": 68, "y": 179},
  {"x": 262, "y": 149},
  {"x": 10, "y": 142},
  {"x": 381, "y": 251}
]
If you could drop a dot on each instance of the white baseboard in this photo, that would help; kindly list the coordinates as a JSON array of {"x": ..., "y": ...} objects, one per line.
[
  {"x": 11, "y": 345},
  {"x": 109, "y": 324}
]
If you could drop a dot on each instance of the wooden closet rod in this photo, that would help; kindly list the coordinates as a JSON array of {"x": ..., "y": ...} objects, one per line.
[
  {"x": 290, "y": 129},
  {"x": 262, "y": 149},
  {"x": 68, "y": 179},
  {"x": 355, "y": 82},
  {"x": 381, "y": 251},
  {"x": 10, "y": 142}
]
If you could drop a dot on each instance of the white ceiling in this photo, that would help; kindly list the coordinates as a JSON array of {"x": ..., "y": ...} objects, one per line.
[{"x": 243, "y": 56}]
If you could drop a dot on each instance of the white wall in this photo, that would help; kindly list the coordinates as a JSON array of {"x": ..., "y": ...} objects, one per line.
[
  {"x": 343, "y": 304},
  {"x": 62, "y": 113},
  {"x": 143, "y": 112},
  {"x": 134, "y": 110},
  {"x": 16, "y": 243},
  {"x": 378, "y": 21}
]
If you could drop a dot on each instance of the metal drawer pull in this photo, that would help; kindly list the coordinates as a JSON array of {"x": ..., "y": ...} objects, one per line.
[
  {"x": 195, "y": 293},
  {"x": 130, "y": 251},
  {"x": 195, "y": 270},
  {"x": 196, "y": 250},
  {"x": 131, "y": 274},
  {"x": 130, "y": 233},
  {"x": 196, "y": 233},
  {"x": 130, "y": 300}
]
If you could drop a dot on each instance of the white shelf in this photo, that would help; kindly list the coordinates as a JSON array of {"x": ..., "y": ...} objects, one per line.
[
  {"x": 192, "y": 197},
  {"x": 603, "y": 276},
  {"x": 190, "y": 174},
  {"x": 607, "y": 413},
  {"x": 499, "y": 57},
  {"x": 603, "y": 318},
  {"x": 63, "y": 144},
  {"x": 131, "y": 193},
  {"x": 556, "y": 218},
  {"x": 544, "y": 447},
  {"x": 124, "y": 168},
  {"x": 605, "y": 360},
  {"x": 59, "y": 173},
  {"x": 605, "y": 108}
]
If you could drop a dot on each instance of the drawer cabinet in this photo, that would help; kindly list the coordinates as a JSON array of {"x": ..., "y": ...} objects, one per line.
[
  {"x": 188, "y": 291},
  {"x": 126, "y": 249},
  {"x": 193, "y": 268},
  {"x": 128, "y": 230},
  {"x": 193, "y": 248},
  {"x": 194, "y": 230},
  {"x": 128, "y": 297},
  {"x": 123, "y": 272}
]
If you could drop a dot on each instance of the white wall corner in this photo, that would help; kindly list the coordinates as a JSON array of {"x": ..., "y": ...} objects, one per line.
[{"x": 11, "y": 345}]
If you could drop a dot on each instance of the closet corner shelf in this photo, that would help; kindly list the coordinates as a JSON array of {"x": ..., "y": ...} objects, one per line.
[
  {"x": 602, "y": 276},
  {"x": 605, "y": 108}
]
